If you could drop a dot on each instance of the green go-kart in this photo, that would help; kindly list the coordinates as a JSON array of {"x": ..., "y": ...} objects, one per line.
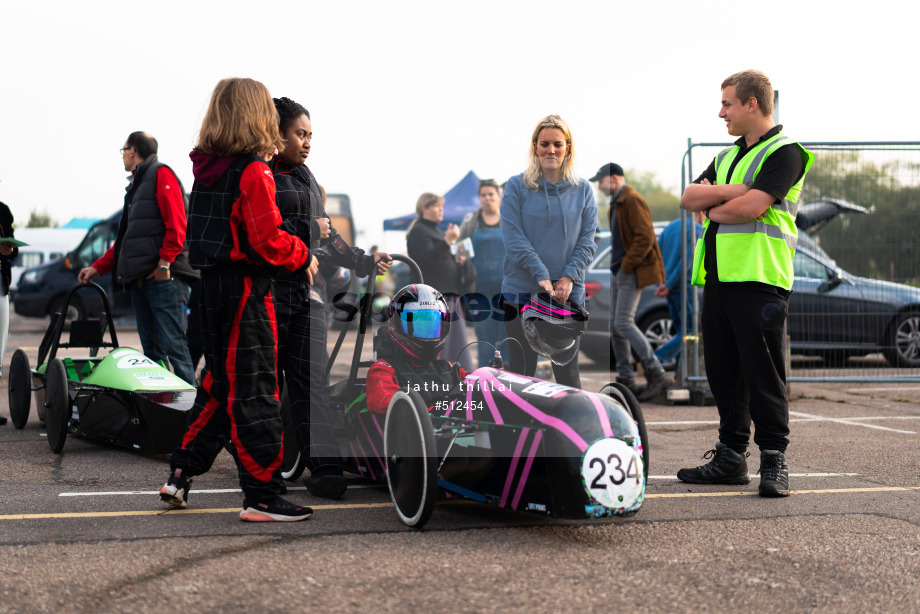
[{"x": 122, "y": 397}]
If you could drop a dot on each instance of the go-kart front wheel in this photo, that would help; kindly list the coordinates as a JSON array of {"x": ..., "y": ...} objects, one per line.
[
  {"x": 20, "y": 389},
  {"x": 624, "y": 396},
  {"x": 412, "y": 463},
  {"x": 57, "y": 404}
]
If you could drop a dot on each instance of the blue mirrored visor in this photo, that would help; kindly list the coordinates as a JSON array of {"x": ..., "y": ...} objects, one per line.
[{"x": 422, "y": 324}]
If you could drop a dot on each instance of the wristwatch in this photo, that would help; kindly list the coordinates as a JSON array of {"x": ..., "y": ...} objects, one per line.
[{"x": 163, "y": 267}]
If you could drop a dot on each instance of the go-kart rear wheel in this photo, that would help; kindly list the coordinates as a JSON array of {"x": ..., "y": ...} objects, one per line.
[
  {"x": 412, "y": 463},
  {"x": 20, "y": 389},
  {"x": 624, "y": 396},
  {"x": 57, "y": 404},
  {"x": 292, "y": 462}
]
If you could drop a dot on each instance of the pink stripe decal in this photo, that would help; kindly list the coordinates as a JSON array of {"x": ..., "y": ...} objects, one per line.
[
  {"x": 366, "y": 461},
  {"x": 514, "y": 463},
  {"x": 558, "y": 312},
  {"x": 370, "y": 440},
  {"x": 550, "y": 421},
  {"x": 526, "y": 473},
  {"x": 377, "y": 424},
  {"x": 602, "y": 415},
  {"x": 469, "y": 400},
  {"x": 490, "y": 403}
]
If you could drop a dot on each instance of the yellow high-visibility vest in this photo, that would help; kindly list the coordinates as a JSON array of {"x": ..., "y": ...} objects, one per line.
[{"x": 759, "y": 250}]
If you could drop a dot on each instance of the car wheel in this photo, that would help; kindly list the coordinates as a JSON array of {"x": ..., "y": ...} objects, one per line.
[
  {"x": 903, "y": 344},
  {"x": 657, "y": 327},
  {"x": 75, "y": 310}
]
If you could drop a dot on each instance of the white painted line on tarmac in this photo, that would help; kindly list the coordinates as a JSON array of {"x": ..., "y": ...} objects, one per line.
[
  {"x": 850, "y": 422},
  {"x": 211, "y": 491}
]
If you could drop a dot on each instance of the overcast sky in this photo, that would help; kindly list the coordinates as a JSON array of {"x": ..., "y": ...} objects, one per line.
[{"x": 408, "y": 97}]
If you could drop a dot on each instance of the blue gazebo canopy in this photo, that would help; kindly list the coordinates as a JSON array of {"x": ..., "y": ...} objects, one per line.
[{"x": 458, "y": 201}]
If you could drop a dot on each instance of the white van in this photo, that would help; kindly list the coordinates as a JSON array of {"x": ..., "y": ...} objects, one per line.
[{"x": 45, "y": 245}]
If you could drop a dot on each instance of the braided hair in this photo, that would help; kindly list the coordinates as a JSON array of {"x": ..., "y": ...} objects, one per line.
[{"x": 288, "y": 111}]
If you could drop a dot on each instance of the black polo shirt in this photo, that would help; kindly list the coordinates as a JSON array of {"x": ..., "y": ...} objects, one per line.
[{"x": 780, "y": 171}]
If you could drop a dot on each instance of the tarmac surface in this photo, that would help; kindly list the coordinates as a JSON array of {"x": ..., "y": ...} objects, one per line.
[{"x": 85, "y": 530}]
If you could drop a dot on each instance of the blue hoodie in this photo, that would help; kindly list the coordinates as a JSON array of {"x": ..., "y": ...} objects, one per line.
[{"x": 549, "y": 233}]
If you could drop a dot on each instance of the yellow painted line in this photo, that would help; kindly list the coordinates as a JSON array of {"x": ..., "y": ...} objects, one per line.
[
  {"x": 355, "y": 506},
  {"x": 174, "y": 512}
]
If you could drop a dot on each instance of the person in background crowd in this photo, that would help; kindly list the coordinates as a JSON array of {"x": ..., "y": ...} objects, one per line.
[
  {"x": 429, "y": 246},
  {"x": 149, "y": 255},
  {"x": 301, "y": 302},
  {"x": 548, "y": 220},
  {"x": 669, "y": 289},
  {"x": 8, "y": 253},
  {"x": 744, "y": 261},
  {"x": 635, "y": 263},
  {"x": 483, "y": 227},
  {"x": 235, "y": 240}
]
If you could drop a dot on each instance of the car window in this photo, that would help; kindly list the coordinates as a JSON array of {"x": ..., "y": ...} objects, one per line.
[
  {"x": 97, "y": 240},
  {"x": 602, "y": 263},
  {"x": 807, "y": 267},
  {"x": 29, "y": 260}
]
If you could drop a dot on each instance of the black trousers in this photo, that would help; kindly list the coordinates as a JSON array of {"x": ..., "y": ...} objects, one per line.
[
  {"x": 238, "y": 397},
  {"x": 743, "y": 326},
  {"x": 302, "y": 359},
  {"x": 525, "y": 362}
]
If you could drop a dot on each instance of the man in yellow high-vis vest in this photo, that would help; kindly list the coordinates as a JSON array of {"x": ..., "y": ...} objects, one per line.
[{"x": 749, "y": 194}]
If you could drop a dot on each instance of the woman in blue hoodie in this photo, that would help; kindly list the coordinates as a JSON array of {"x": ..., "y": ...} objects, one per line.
[{"x": 549, "y": 219}]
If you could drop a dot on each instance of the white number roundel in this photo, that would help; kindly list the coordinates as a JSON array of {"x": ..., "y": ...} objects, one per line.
[{"x": 613, "y": 473}]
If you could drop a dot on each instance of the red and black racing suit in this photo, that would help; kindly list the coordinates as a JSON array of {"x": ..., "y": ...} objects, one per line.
[{"x": 235, "y": 241}]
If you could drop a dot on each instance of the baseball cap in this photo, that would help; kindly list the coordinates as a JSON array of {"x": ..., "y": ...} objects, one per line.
[{"x": 611, "y": 168}]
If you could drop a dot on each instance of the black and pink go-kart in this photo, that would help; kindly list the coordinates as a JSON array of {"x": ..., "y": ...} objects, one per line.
[{"x": 499, "y": 438}]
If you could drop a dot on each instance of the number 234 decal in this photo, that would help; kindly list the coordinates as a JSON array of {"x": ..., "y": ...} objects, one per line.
[{"x": 613, "y": 473}]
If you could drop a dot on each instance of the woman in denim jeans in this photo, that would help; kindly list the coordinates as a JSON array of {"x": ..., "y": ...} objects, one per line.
[{"x": 483, "y": 228}]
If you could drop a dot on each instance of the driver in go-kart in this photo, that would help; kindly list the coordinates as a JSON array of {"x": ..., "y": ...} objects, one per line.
[{"x": 417, "y": 326}]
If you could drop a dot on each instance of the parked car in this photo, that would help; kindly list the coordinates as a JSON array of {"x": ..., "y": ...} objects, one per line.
[
  {"x": 832, "y": 313},
  {"x": 41, "y": 290},
  {"x": 44, "y": 245}
]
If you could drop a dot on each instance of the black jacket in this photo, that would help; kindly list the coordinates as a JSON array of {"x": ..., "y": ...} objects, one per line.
[
  {"x": 426, "y": 245},
  {"x": 6, "y": 230},
  {"x": 141, "y": 230}
]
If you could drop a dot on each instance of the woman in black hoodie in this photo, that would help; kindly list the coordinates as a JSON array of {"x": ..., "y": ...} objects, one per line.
[
  {"x": 301, "y": 305},
  {"x": 8, "y": 253}
]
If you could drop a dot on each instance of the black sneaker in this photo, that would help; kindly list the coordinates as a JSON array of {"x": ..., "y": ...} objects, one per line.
[
  {"x": 326, "y": 486},
  {"x": 726, "y": 467},
  {"x": 278, "y": 510},
  {"x": 2, "y": 420},
  {"x": 658, "y": 382},
  {"x": 175, "y": 491},
  {"x": 630, "y": 383},
  {"x": 774, "y": 474}
]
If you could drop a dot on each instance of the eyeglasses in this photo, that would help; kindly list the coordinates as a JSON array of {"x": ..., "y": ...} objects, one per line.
[{"x": 124, "y": 149}]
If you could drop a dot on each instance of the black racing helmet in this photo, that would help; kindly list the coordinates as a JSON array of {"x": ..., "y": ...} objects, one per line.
[
  {"x": 418, "y": 321},
  {"x": 552, "y": 327}
]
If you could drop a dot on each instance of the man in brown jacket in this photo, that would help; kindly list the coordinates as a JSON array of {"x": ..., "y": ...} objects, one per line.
[{"x": 635, "y": 263}]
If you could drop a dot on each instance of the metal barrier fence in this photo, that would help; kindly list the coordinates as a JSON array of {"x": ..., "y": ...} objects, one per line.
[{"x": 854, "y": 314}]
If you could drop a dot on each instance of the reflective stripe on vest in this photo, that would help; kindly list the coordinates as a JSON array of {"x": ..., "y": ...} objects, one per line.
[{"x": 760, "y": 250}]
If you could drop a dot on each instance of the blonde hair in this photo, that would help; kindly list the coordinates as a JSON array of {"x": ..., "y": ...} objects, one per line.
[
  {"x": 533, "y": 173},
  {"x": 425, "y": 201},
  {"x": 752, "y": 84},
  {"x": 241, "y": 118}
]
